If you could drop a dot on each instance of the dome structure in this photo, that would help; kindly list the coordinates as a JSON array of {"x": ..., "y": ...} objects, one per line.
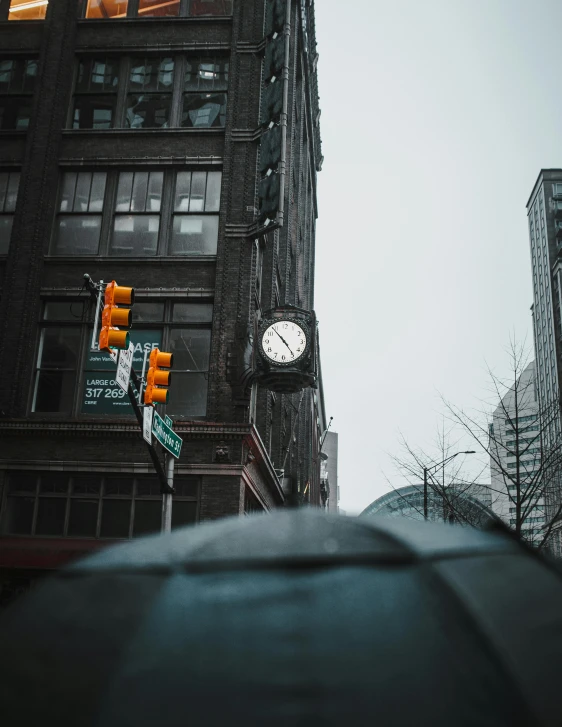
[{"x": 466, "y": 507}]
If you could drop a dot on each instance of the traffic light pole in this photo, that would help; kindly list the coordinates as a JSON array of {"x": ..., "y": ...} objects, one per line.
[
  {"x": 166, "y": 482},
  {"x": 167, "y": 496},
  {"x": 162, "y": 477}
]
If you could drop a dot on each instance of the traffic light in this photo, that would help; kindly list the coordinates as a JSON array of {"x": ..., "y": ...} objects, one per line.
[
  {"x": 113, "y": 318},
  {"x": 156, "y": 377}
]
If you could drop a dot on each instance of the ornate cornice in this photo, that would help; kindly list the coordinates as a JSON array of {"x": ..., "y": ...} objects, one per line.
[
  {"x": 257, "y": 452},
  {"x": 126, "y": 426}
]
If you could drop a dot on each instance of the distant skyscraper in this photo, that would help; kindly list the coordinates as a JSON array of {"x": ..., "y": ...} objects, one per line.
[
  {"x": 544, "y": 210},
  {"x": 516, "y": 417}
]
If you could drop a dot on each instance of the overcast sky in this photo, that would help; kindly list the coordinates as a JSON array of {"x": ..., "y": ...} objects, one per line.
[{"x": 437, "y": 117}]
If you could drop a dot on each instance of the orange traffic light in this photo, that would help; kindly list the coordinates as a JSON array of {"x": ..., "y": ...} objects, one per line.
[
  {"x": 156, "y": 377},
  {"x": 113, "y": 319}
]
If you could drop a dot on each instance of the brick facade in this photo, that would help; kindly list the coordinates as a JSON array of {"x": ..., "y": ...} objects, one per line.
[{"x": 247, "y": 434}]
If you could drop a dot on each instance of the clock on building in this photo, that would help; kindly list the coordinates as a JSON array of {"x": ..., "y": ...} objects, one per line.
[{"x": 284, "y": 342}]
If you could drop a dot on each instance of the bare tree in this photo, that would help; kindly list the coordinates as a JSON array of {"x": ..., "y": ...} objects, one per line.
[
  {"x": 452, "y": 496},
  {"x": 521, "y": 437}
]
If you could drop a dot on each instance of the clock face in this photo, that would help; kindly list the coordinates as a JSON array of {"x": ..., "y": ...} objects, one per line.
[{"x": 283, "y": 342}]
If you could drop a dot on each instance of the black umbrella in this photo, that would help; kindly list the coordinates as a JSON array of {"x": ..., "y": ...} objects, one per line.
[{"x": 295, "y": 618}]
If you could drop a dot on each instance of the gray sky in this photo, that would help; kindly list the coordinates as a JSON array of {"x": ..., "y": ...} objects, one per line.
[{"x": 436, "y": 120}]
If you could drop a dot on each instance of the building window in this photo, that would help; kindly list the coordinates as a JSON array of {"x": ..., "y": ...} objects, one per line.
[
  {"x": 116, "y": 9},
  {"x": 196, "y": 222},
  {"x": 137, "y": 213},
  {"x": 28, "y": 9},
  {"x": 190, "y": 343},
  {"x": 80, "y": 213},
  {"x": 66, "y": 329},
  {"x": 133, "y": 213},
  {"x": 209, "y": 7},
  {"x": 530, "y": 418},
  {"x": 147, "y": 93},
  {"x": 58, "y": 357},
  {"x": 17, "y": 84},
  {"x": 528, "y": 520},
  {"x": 158, "y": 8},
  {"x": 204, "y": 101},
  {"x": 251, "y": 503},
  {"x": 152, "y": 81},
  {"x": 9, "y": 183},
  {"x": 106, "y": 9},
  {"x": 85, "y": 505},
  {"x": 100, "y": 394},
  {"x": 95, "y": 96}
]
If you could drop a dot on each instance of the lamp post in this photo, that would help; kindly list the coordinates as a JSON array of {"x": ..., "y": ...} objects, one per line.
[{"x": 426, "y": 471}]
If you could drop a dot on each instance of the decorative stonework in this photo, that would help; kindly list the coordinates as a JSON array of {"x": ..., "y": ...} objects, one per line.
[{"x": 222, "y": 454}]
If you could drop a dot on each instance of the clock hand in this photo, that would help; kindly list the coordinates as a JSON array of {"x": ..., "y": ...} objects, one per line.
[{"x": 285, "y": 342}]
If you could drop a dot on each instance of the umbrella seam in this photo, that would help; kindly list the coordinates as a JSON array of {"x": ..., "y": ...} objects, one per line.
[
  {"x": 490, "y": 645},
  {"x": 378, "y": 526},
  {"x": 328, "y": 561}
]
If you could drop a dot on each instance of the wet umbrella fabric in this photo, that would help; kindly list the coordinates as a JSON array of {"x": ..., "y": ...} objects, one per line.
[{"x": 295, "y": 618}]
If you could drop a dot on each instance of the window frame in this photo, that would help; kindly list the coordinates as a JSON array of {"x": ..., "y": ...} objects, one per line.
[
  {"x": 135, "y": 214},
  {"x": 177, "y": 92},
  {"x": 179, "y": 325},
  {"x": 21, "y": 95},
  {"x": 171, "y": 93},
  {"x": 46, "y": 324},
  {"x": 11, "y": 211},
  {"x": 109, "y": 212},
  {"x": 69, "y": 496},
  {"x": 184, "y": 11},
  {"x": 71, "y": 213},
  {"x": 5, "y": 8},
  {"x": 81, "y": 58},
  {"x": 165, "y": 325},
  {"x": 179, "y": 214}
]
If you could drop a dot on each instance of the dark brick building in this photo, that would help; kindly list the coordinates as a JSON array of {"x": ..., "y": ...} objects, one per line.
[{"x": 130, "y": 146}]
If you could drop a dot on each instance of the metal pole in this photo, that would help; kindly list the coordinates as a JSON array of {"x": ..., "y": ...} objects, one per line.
[
  {"x": 153, "y": 455},
  {"x": 425, "y": 493},
  {"x": 167, "y": 496},
  {"x": 142, "y": 376},
  {"x": 94, "y": 345},
  {"x": 323, "y": 437}
]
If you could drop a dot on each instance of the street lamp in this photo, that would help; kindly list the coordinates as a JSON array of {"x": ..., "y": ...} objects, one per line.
[{"x": 426, "y": 470}]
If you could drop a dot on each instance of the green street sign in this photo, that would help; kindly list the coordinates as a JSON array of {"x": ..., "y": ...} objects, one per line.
[{"x": 166, "y": 435}]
